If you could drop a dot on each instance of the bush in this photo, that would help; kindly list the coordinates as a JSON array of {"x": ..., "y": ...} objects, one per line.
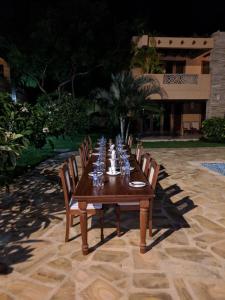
[
  {"x": 214, "y": 129},
  {"x": 66, "y": 116}
]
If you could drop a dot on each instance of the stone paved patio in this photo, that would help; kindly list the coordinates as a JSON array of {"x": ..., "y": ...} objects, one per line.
[{"x": 186, "y": 258}]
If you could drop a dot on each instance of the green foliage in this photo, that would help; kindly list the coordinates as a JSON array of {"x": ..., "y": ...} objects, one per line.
[
  {"x": 23, "y": 119},
  {"x": 11, "y": 145},
  {"x": 214, "y": 129},
  {"x": 65, "y": 115},
  {"x": 147, "y": 59},
  {"x": 127, "y": 97}
]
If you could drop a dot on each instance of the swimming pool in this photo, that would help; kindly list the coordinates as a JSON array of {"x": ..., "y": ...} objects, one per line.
[{"x": 216, "y": 167}]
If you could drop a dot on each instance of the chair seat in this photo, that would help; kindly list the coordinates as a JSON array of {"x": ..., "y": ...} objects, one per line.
[
  {"x": 128, "y": 203},
  {"x": 74, "y": 205}
]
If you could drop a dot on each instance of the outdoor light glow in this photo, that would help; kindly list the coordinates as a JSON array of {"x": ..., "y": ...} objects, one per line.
[{"x": 13, "y": 94}]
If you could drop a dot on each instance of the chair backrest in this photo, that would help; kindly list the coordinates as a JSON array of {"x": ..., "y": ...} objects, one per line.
[
  {"x": 187, "y": 125},
  {"x": 138, "y": 153},
  {"x": 86, "y": 150},
  {"x": 130, "y": 141},
  {"x": 66, "y": 184},
  {"x": 90, "y": 143},
  {"x": 146, "y": 159},
  {"x": 83, "y": 157},
  {"x": 195, "y": 125},
  {"x": 153, "y": 173},
  {"x": 73, "y": 171}
]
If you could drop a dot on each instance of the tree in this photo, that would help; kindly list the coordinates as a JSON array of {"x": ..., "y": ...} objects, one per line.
[
  {"x": 127, "y": 97},
  {"x": 146, "y": 58}
]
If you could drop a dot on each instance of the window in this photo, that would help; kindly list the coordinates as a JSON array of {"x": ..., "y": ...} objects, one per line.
[
  {"x": 175, "y": 67},
  {"x": 1, "y": 71},
  {"x": 180, "y": 67},
  {"x": 205, "y": 67}
]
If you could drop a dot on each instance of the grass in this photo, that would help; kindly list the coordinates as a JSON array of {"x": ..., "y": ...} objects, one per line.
[
  {"x": 31, "y": 156},
  {"x": 181, "y": 144}
]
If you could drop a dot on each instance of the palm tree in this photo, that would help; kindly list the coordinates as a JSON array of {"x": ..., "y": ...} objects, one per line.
[
  {"x": 127, "y": 97},
  {"x": 147, "y": 59}
]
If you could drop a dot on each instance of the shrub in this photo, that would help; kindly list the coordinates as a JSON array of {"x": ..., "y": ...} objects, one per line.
[
  {"x": 214, "y": 129},
  {"x": 66, "y": 115}
]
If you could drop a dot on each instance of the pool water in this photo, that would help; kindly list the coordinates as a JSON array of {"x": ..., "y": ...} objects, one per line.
[{"x": 216, "y": 167}]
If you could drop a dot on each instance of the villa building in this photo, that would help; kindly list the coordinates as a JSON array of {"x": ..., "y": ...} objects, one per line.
[{"x": 193, "y": 82}]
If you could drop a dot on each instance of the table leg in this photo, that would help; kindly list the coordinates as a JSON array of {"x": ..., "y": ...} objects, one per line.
[
  {"x": 144, "y": 212},
  {"x": 83, "y": 226}
]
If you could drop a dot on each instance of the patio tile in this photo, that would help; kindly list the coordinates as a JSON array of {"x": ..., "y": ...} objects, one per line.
[
  {"x": 178, "y": 237},
  {"x": 4, "y": 296},
  {"x": 66, "y": 291},
  {"x": 110, "y": 256},
  {"x": 68, "y": 248},
  {"x": 100, "y": 290},
  {"x": 185, "y": 269},
  {"x": 209, "y": 238},
  {"x": 182, "y": 290},
  {"x": 150, "y": 280},
  {"x": 48, "y": 276},
  {"x": 27, "y": 290},
  {"x": 219, "y": 249},
  {"x": 192, "y": 254},
  {"x": 150, "y": 296},
  {"x": 209, "y": 291},
  {"x": 61, "y": 264},
  {"x": 208, "y": 224},
  {"x": 149, "y": 261},
  {"x": 108, "y": 272}
]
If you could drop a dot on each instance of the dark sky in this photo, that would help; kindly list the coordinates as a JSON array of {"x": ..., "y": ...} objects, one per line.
[{"x": 172, "y": 17}]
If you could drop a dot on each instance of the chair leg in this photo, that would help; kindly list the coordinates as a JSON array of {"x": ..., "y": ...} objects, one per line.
[
  {"x": 102, "y": 224},
  {"x": 150, "y": 219},
  {"x": 118, "y": 220},
  {"x": 68, "y": 222},
  {"x": 71, "y": 221}
]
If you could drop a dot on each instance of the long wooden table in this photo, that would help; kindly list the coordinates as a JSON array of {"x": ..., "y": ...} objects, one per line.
[{"x": 116, "y": 189}]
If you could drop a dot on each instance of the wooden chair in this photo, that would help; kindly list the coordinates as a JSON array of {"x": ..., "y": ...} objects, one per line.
[
  {"x": 90, "y": 144},
  {"x": 145, "y": 163},
  {"x": 72, "y": 208},
  {"x": 83, "y": 157},
  {"x": 153, "y": 171},
  {"x": 130, "y": 141},
  {"x": 138, "y": 153},
  {"x": 86, "y": 148},
  {"x": 153, "y": 174},
  {"x": 73, "y": 171}
]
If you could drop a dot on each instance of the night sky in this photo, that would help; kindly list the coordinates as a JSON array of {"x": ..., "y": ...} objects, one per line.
[{"x": 172, "y": 17}]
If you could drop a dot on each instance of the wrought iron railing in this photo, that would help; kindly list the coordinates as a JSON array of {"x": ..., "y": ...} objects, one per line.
[{"x": 180, "y": 79}]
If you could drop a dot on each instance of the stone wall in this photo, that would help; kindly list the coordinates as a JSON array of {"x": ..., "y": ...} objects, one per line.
[{"x": 216, "y": 103}]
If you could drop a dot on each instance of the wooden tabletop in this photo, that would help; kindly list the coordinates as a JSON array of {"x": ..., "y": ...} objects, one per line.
[{"x": 116, "y": 188}]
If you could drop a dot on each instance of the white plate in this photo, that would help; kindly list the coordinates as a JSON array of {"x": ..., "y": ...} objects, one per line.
[
  {"x": 98, "y": 164},
  {"x": 137, "y": 184},
  {"x": 92, "y": 173},
  {"x": 113, "y": 174}
]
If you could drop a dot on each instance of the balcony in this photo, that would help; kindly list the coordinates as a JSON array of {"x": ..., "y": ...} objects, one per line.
[{"x": 183, "y": 86}]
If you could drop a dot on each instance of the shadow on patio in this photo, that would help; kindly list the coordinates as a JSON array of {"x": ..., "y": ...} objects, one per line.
[
  {"x": 34, "y": 205},
  {"x": 168, "y": 217}
]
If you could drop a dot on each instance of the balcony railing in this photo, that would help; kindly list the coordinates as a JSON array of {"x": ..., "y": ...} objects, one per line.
[{"x": 180, "y": 79}]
